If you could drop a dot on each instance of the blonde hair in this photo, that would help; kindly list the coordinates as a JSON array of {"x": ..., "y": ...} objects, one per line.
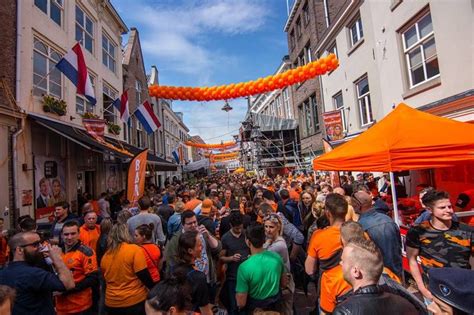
[
  {"x": 318, "y": 208},
  {"x": 179, "y": 207},
  {"x": 275, "y": 219},
  {"x": 123, "y": 216},
  {"x": 118, "y": 235}
]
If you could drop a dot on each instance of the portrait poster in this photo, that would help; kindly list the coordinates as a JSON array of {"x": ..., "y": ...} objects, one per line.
[
  {"x": 26, "y": 197},
  {"x": 334, "y": 125},
  {"x": 50, "y": 181},
  {"x": 112, "y": 178}
]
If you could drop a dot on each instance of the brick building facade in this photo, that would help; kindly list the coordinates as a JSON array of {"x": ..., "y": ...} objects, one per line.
[{"x": 307, "y": 22}]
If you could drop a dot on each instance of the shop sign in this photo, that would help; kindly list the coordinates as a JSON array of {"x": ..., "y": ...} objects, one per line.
[{"x": 333, "y": 125}]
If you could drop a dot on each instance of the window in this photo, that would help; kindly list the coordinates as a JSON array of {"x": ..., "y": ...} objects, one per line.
[
  {"x": 356, "y": 31},
  {"x": 53, "y": 8},
  {"x": 109, "y": 95},
  {"x": 279, "y": 108},
  {"x": 272, "y": 109},
  {"x": 298, "y": 28},
  {"x": 338, "y": 103},
  {"x": 138, "y": 92},
  {"x": 308, "y": 117},
  {"x": 326, "y": 12},
  {"x": 84, "y": 30},
  {"x": 286, "y": 101},
  {"x": 307, "y": 50},
  {"x": 333, "y": 50},
  {"x": 314, "y": 111},
  {"x": 302, "y": 121},
  {"x": 306, "y": 14},
  {"x": 363, "y": 99},
  {"x": 82, "y": 104},
  {"x": 292, "y": 39},
  {"x": 420, "y": 51},
  {"x": 108, "y": 53},
  {"x": 138, "y": 130},
  {"x": 45, "y": 59}
]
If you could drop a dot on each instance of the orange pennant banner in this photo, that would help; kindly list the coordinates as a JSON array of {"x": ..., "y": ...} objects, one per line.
[{"x": 136, "y": 177}]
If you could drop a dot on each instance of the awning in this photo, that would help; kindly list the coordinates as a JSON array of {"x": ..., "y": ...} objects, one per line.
[
  {"x": 159, "y": 164},
  {"x": 405, "y": 139},
  {"x": 118, "y": 148}
]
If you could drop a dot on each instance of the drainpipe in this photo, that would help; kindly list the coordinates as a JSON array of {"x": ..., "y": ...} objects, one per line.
[{"x": 16, "y": 191}]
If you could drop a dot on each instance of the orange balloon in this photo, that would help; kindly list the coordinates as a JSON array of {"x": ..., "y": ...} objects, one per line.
[{"x": 324, "y": 67}]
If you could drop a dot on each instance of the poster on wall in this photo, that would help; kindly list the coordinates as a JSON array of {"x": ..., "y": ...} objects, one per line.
[
  {"x": 112, "y": 176},
  {"x": 50, "y": 187},
  {"x": 334, "y": 126},
  {"x": 26, "y": 197}
]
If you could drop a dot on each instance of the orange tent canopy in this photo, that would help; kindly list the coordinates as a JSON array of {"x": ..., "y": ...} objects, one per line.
[{"x": 406, "y": 139}]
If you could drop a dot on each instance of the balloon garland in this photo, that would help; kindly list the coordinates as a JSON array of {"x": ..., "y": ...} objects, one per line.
[
  {"x": 235, "y": 90},
  {"x": 222, "y": 145},
  {"x": 224, "y": 156},
  {"x": 231, "y": 153}
]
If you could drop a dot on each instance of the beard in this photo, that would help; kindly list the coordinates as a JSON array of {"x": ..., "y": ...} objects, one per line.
[{"x": 35, "y": 258}]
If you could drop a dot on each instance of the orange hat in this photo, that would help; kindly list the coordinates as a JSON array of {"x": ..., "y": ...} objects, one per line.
[{"x": 206, "y": 206}]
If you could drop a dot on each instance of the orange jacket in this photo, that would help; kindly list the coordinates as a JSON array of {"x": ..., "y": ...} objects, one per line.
[{"x": 82, "y": 262}]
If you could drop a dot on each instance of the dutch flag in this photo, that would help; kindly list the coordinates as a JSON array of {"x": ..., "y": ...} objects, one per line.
[
  {"x": 147, "y": 117},
  {"x": 73, "y": 66},
  {"x": 122, "y": 106}
]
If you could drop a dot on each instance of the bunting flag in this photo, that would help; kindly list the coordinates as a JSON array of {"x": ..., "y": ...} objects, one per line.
[
  {"x": 73, "y": 66},
  {"x": 147, "y": 117},
  {"x": 95, "y": 127},
  {"x": 122, "y": 106},
  {"x": 136, "y": 177}
]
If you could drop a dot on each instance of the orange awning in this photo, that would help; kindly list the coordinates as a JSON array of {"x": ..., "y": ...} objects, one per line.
[{"x": 406, "y": 139}]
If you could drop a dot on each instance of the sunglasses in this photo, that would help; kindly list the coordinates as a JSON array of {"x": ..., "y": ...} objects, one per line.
[
  {"x": 34, "y": 244},
  {"x": 272, "y": 218}
]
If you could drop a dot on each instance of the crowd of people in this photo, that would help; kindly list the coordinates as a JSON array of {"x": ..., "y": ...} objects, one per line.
[{"x": 241, "y": 245}]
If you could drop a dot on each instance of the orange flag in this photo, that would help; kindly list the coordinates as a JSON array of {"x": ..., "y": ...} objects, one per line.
[{"x": 136, "y": 177}]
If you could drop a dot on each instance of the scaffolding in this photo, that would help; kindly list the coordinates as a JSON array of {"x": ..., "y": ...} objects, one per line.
[{"x": 270, "y": 143}]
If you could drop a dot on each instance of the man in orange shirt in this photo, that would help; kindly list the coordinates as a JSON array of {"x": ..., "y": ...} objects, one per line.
[
  {"x": 193, "y": 201},
  {"x": 82, "y": 262},
  {"x": 325, "y": 247},
  {"x": 294, "y": 191},
  {"x": 333, "y": 284},
  {"x": 89, "y": 232},
  {"x": 269, "y": 197}
]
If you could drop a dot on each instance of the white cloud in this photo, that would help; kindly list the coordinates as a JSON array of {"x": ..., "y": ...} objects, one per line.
[{"x": 175, "y": 35}]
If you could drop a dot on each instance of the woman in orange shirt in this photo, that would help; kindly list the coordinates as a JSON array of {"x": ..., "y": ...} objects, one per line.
[
  {"x": 143, "y": 238},
  {"x": 126, "y": 274}
]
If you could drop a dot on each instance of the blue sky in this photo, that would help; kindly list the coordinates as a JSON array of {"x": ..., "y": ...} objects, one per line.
[{"x": 204, "y": 43}]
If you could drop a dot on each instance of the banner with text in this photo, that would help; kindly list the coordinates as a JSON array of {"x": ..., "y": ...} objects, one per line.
[
  {"x": 334, "y": 125},
  {"x": 136, "y": 177}
]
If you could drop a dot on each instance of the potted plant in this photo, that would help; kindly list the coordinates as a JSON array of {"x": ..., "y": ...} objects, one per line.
[
  {"x": 54, "y": 105},
  {"x": 90, "y": 115},
  {"x": 114, "y": 128}
]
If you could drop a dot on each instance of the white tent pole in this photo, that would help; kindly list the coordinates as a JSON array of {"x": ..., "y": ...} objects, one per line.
[{"x": 396, "y": 217}]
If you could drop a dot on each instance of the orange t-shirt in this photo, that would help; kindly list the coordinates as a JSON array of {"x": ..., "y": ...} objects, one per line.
[
  {"x": 81, "y": 261},
  {"x": 123, "y": 288},
  {"x": 152, "y": 255},
  {"x": 333, "y": 285},
  {"x": 95, "y": 207},
  {"x": 191, "y": 204},
  {"x": 89, "y": 237},
  {"x": 294, "y": 195},
  {"x": 325, "y": 243}
]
